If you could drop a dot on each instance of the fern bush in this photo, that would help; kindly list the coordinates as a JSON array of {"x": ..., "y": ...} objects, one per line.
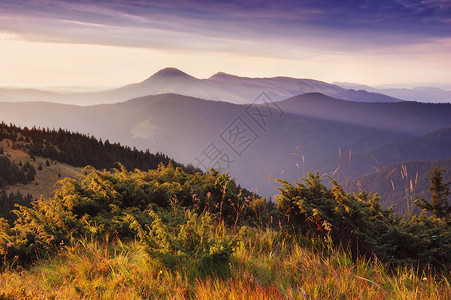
[
  {"x": 98, "y": 202},
  {"x": 358, "y": 222},
  {"x": 197, "y": 245}
]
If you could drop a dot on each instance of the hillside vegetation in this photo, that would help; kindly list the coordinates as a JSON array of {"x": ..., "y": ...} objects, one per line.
[
  {"x": 399, "y": 184},
  {"x": 168, "y": 234},
  {"x": 77, "y": 149},
  {"x": 33, "y": 160}
]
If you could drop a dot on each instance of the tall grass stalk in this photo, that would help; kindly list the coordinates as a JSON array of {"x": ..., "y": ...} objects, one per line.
[{"x": 265, "y": 265}]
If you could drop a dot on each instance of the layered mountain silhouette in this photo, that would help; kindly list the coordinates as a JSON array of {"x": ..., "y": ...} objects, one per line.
[
  {"x": 311, "y": 132},
  {"x": 280, "y": 88},
  {"x": 220, "y": 87},
  {"x": 420, "y": 94}
]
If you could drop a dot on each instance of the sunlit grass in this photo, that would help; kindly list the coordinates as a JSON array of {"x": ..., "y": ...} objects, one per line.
[{"x": 264, "y": 266}]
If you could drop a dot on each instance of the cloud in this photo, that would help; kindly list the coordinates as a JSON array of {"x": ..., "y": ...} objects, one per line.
[
  {"x": 285, "y": 32},
  {"x": 317, "y": 24}
]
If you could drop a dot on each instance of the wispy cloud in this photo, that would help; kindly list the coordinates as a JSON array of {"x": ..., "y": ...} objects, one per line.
[
  {"x": 322, "y": 33},
  {"x": 138, "y": 23}
]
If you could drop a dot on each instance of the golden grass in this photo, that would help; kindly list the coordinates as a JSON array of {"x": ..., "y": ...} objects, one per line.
[{"x": 263, "y": 267}]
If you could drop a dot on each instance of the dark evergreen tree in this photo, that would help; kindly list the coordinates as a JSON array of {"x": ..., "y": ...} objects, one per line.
[
  {"x": 78, "y": 149},
  {"x": 440, "y": 197},
  {"x": 8, "y": 201}
]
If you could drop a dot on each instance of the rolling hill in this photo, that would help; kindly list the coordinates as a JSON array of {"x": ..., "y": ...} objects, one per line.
[
  {"x": 280, "y": 88},
  {"x": 311, "y": 132},
  {"x": 221, "y": 86},
  {"x": 419, "y": 94}
]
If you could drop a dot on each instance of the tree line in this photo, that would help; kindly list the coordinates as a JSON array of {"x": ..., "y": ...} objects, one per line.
[
  {"x": 75, "y": 149},
  {"x": 80, "y": 150}
]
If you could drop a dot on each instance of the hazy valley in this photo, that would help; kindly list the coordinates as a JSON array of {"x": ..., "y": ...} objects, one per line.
[{"x": 285, "y": 137}]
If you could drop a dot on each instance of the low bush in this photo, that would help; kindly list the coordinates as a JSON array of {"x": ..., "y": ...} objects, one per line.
[
  {"x": 197, "y": 245},
  {"x": 99, "y": 203},
  {"x": 358, "y": 222}
]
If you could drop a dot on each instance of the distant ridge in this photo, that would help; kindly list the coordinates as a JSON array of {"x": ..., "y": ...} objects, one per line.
[
  {"x": 220, "y": 87},
  {"x": 420, "y": 94},
  {"x": 378, "y": 115},
  {"x": 182, "y": 127}
]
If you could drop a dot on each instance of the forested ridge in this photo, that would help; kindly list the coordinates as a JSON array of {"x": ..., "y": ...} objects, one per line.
[
  {"x": 79, "y": 149},
  {"x": 75, "y": 149}
]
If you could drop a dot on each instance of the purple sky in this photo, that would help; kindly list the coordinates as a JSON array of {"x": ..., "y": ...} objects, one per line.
[{"x": 370, "y": 42}]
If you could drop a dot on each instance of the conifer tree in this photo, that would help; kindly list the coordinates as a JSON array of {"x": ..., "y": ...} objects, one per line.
[{"x": 440, "y": 195}]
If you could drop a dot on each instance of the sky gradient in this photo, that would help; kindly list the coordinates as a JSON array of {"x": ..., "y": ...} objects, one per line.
[{"x": 112, "y": 43}]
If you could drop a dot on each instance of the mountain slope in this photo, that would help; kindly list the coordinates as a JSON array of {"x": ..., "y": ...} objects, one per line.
[
  {"x": 171, "y": 80},
  {"x": 419, "y": 94},
  {"x": 47, "y": 172},
  {"x": 221, "y": 86},
  {"x": 309, "y": 133},
  {"x": 409, "y": 117},
  {"x": 280, "y": 88}
]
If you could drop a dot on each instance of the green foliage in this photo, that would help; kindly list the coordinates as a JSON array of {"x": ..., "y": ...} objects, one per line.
[
  {"x": 184, "y": 217},
  {"x": 168, "y": 234},
  {"x": 358, "y": 222},
  {"x": 439, "y": 206},
  {"x": 98, "y": 202},
  {"x": 197, "y": 245},
  {"x": 76, "y": 149},
  {"x": 421, "y": 241},
  {"x": 10, "y": 173}
]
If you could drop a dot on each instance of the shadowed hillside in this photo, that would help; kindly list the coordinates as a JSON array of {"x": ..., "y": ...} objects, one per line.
[{"x": 305, "y": 133}]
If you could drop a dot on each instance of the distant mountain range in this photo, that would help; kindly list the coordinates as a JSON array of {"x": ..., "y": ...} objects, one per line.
[
  {"x": 419, "y": 94},
  {"x": 354, "y": 133},
  {"x": 310, "y": 132},
  {"x": 220, "y": 87}
]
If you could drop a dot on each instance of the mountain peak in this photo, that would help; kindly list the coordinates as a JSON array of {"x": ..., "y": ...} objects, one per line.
[
  {"x": 170, "y": 72},
  {"x": 222, "y": 75},
  {"x": 167, "y": 74}
]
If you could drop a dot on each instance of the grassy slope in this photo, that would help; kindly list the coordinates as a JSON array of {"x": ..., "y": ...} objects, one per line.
[
  {"x": 263, "y": 267},
  {"x": 45, "y": 180}
]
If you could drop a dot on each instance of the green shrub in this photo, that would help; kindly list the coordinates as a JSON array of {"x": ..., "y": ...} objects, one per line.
[
  {"x": 197, "y": 245},
  {"x": 358, "y": 222},
  {"x": 96, "y": 205}
]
